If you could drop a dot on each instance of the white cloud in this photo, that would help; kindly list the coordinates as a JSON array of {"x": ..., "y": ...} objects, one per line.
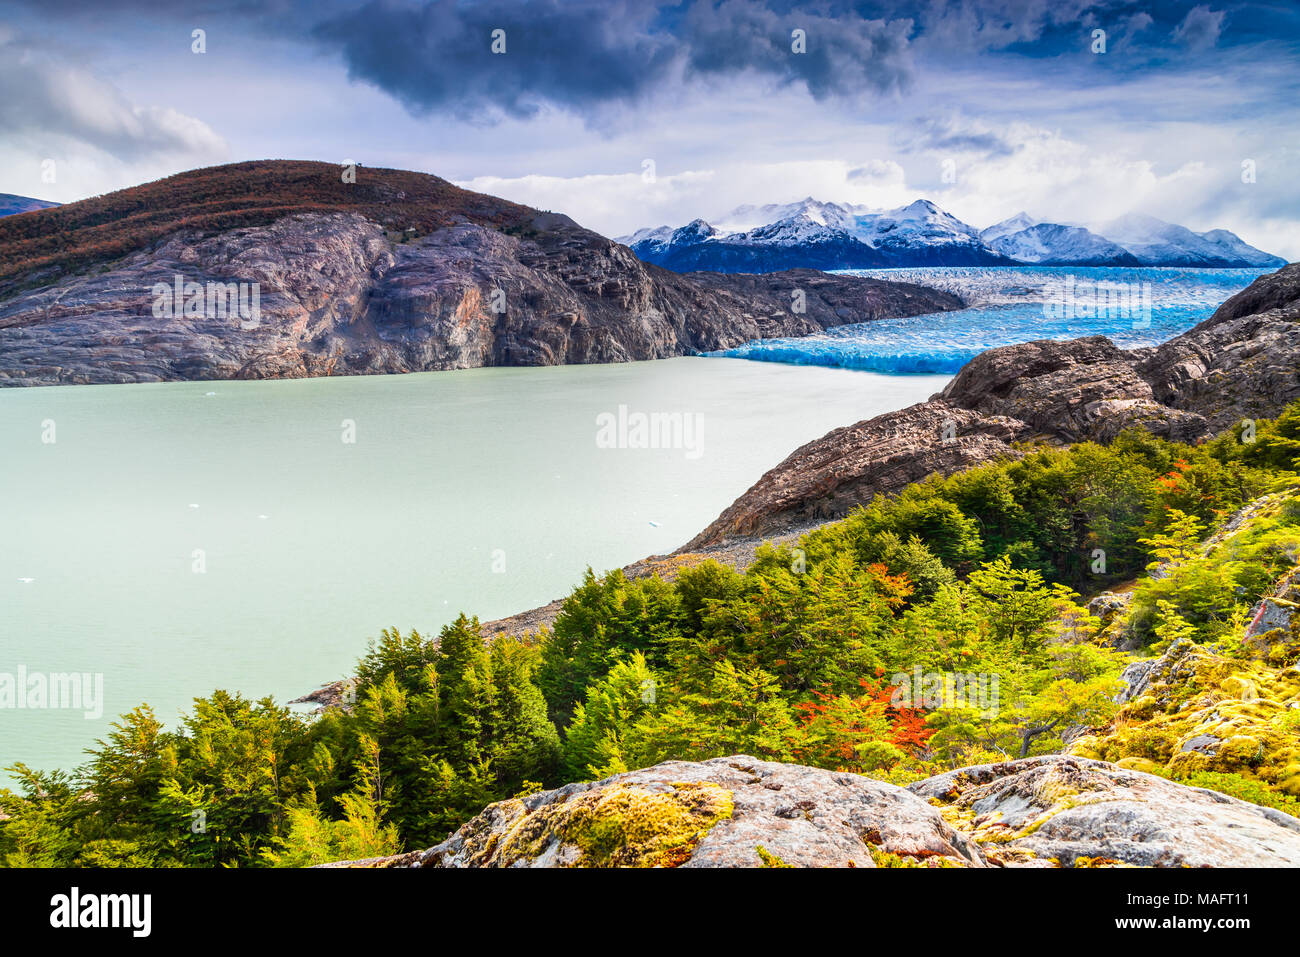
[
  {"x": 617, "y": 204},
  {"x": 95, "y": 137},
  {"x": 1049, "y": 174}
]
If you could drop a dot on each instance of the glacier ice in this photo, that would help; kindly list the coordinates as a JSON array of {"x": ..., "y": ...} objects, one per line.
[{"x": 1007, "y": 305}]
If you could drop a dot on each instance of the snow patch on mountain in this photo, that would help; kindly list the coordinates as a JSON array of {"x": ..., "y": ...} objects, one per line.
[{"x": 1007, "y": 227}]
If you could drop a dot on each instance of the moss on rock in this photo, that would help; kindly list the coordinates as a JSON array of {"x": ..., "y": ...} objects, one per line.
[
  {"x": 621, "y": 826},
  {"x": 1209, "y": 712}
]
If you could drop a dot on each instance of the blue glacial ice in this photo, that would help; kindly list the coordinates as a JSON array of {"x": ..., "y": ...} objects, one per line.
[{"x": 1010, "y": 304}]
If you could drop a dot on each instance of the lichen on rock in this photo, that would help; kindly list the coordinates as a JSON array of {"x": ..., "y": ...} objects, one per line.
[
  {"x": 630, "y": 826},
  {"x": 726, "y": 812},
  {"x": 1074, "y": 811}
]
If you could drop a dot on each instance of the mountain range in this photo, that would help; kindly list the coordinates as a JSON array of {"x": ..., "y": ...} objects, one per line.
[
  {"x": 820, "y": 235},
  {"x": 11, "y": 204}
]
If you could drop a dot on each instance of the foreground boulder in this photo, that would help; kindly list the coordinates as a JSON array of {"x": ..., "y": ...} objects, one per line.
[
  {"x": 727, "y": 812},
  {"x": 1053, "y": 811},
  {"x": 1076, "y": 812}
]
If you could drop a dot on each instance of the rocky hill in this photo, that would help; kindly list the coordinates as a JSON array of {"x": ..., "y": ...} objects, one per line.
[
  {"x": 1243, "y": 362},
  {"x": 1051, "y": 811},
  {"x": 397, "y": 272}
]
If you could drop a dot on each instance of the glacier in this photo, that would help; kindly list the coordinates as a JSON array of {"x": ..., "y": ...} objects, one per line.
[{"x": 1006, "y": 305}]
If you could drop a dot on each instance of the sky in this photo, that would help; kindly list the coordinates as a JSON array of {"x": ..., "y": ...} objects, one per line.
[{"x": 632, "y": 113}]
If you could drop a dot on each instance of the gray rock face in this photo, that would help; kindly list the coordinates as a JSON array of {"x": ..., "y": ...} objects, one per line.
[
  {"x": 1172, "y": 666},
  {"x": 1109, "y": 604},
  {"x": 715, "y": 813},
  {"x": 828, "y": 477},
  {"x": 1242, "y": 362},
  {"x": 1277, "y": 610},
  {"x": 1268, "y": 615},
  {"x": 1202, "y": 744},
  {"x": 742, "y": 812},
  {"x": 1237, "y": 364},
  {"x": 337, "y": 296},
  {"x": 1065, "y": 809}
]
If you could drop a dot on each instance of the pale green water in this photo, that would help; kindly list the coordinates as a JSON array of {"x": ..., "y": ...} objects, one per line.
[{"x": 397, "y": 529}]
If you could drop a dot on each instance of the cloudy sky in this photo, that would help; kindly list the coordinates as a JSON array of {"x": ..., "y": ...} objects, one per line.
[{"x": 628, "y": 113}]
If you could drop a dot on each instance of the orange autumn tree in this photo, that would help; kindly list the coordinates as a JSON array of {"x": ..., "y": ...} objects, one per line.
[{"x": 860, "y": 733}]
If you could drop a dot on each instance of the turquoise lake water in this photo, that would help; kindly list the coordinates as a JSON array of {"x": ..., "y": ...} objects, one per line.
[{"x": 484, "y": 490}]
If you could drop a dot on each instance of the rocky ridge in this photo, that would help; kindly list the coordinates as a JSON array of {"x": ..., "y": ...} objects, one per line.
[{"x": 1052, "y": 811}]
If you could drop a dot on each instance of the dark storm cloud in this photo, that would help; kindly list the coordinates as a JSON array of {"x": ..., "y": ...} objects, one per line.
[
  {"x": 438, "y": 55},
  {"x": 581, "y": 53},
  {"x": 590, "y": 56},
  {"x": 845, "y": 55}
]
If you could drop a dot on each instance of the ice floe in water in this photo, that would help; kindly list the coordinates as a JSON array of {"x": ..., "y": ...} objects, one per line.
[{"x": 1132, "y": 306}]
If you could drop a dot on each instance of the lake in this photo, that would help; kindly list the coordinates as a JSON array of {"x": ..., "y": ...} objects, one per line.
[{"x": 182, "y": 537}]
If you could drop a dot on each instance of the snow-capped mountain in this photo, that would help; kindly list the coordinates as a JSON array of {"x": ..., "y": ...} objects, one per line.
[
  {"x": 819, "y": 235},
  {"x": 1157, "y": 243},
  {"x": 649, "y": 234},
  {"x": 1015, "y": 224},
  {"x": 816, "y": 235},
  {"x": 1054, "y": 244}
]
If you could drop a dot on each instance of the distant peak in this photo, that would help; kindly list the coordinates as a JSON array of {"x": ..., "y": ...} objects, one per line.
[
  {"x": 1139, "y": 219},
  {"x": 696, "y": 227},
  {"x": 919, "y": 209}
]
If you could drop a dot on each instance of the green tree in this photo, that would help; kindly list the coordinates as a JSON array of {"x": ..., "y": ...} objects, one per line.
[
  {"x": 602, "y": 622},
  {"x": 595, "y": 742}
]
